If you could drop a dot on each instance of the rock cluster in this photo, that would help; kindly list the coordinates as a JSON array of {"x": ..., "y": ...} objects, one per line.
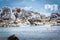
[{"x": 17, "y": 17}]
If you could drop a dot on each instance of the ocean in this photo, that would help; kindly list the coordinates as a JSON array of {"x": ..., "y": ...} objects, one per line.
[{"x": 31, "y": 32}]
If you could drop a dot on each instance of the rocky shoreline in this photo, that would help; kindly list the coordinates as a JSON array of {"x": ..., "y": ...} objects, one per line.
[{"x": 18, "y": 17}]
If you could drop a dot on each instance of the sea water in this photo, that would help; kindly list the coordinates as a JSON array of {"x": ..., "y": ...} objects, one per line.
[{"x": 31, "y": 32}]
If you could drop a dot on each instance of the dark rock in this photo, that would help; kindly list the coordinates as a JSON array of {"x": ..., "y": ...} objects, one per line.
[{"x": 13, "y": 37}]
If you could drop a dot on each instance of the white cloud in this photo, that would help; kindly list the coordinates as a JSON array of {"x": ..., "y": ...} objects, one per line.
[
  {"x": 27, "y": 8},
  {"x": 33, "y": 0}
]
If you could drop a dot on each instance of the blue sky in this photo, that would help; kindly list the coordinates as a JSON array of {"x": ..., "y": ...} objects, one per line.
[{"x": 34, "y": 5}]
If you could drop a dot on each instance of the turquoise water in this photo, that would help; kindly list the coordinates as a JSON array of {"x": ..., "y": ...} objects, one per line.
[{"x": 31, "y": 32}]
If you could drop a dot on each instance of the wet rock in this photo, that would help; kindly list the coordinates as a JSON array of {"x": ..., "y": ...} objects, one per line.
[{"x": 13, "y": 37}]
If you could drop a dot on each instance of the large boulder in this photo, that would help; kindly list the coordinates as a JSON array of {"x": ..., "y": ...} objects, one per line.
[
  {"x": 13, "y": 37},
  {"x": 6, "y": 13}
]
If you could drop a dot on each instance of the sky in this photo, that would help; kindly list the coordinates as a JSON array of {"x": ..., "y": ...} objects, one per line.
[{"x": 33, "y": 5}]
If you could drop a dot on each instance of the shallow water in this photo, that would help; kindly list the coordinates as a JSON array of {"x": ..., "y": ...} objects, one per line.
[{"x": 32, "y": 32}]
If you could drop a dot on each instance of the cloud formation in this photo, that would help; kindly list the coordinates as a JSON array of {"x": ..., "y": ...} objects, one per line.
[
  {"x": 27, "y": 8},
  {"x": 33, "y": 0}
]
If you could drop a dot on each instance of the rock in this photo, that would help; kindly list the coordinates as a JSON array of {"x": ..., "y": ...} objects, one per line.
[{"x": 13, "y": 37}]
